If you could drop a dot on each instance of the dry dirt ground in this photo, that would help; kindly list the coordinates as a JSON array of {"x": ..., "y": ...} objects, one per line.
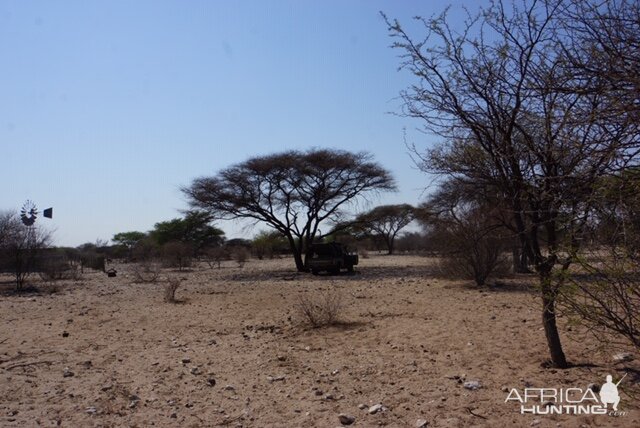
[{"x": 233, "y": 353}]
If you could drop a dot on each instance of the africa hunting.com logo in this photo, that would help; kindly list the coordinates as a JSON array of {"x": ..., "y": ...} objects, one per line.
[{"x": 567, "y": 401}]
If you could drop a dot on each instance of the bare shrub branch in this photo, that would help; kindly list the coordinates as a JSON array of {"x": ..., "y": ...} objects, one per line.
[{"x": 320, "y": 309}]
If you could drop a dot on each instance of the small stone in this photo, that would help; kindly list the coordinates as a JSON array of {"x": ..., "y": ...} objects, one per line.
[
  {"x": 375, "y": 409},
  {"x": 535, "y": 422},
  {"x": 329, "y": 397},
  {"x": 362, "y": 406},
  {"x": 65, "y": 334},
  {"x": 421, "y": 423},
  {"x": 67, "y": 372},
  {"x": 275, "y": 378},
  {"x": 195, "y": 371},
  {"x": 229, "y": 388},
  {"x": 91, "y": 410},
  {"x": 211, "y": 382},
  {"x": 281, "y": 358},
  {"x": 346, "y": 419},
  {"x": 472, "y": 385},
  {"x": 504, "y": 389},
  {"x": 173, "y": 415},
  {"x": 186, "y": 360},
  {"x": 622, "y": 357},
  {"x": 318, "y": 392}
]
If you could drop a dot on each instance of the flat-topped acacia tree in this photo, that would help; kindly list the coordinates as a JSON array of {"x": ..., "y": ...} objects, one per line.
[
  {"x": 386, "y": 221},
  {"x": 293, "y": 192}
]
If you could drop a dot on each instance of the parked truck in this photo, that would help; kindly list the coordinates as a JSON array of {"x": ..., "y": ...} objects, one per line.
[{"x": 330, "y": 257}]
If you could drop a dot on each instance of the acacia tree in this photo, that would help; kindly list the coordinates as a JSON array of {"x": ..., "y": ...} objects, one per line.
[
  {"x": 194, "y": 229},
  {"x": 293, "y": 192},
  {"x": 127, "y": 240},
  {"x": 386, "y": 221},
  {"x": 503, "y": 95}
]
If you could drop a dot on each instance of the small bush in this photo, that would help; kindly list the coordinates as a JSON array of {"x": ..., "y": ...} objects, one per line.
[
  {"x": 477, "y": 264},
  {"x": 147, "y": 271},
  {"x": 177, "y": 254},
  {"x": 56, "y": 269},
  {"x": 216, "y": 255},
  {"x": 240, "y": 255},
  {"x": 92, "y": 260},
  {"x": 170, "y": 289},
  {"x": 321, "y": 309}
]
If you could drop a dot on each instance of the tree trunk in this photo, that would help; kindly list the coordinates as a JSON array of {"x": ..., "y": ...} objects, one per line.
[
  {"x": 390, "y": 246},
  {"x": 297, "y": 256},
  {"x": 297, "y": 251},
  {"x": 520, "y": 260},
  {"x": 549, "y": 322}
]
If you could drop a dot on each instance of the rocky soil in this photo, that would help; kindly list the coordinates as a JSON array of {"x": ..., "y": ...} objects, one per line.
[{"x": 409, "y": 350}]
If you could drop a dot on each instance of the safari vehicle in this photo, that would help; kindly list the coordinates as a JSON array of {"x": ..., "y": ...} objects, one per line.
[{"x": 330, "y": 257}]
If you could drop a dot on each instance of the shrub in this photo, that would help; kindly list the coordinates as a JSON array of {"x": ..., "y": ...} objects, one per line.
[
  {"x": 605, "y": 296},
  {"x": 170, "y": 289},
  {"x": 321, "y": 309},
  {"x": 472, "y": 245},
  {"x": 177, "y": 254},
  {"x": 240, "y": 255},
  {"x": 57, "y": 268},
  {"x": 146, "y": 271},
  {"x": 216, "y": 255},
  {"x": 480, "y": 259},
  {"x": 92, "y": 260}
]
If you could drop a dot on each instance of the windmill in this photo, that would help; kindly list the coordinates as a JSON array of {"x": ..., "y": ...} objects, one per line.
[{"x": 29, "y": 214}]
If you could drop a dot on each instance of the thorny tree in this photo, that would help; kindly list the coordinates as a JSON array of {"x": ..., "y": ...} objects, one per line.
[
  {"x": 502, "y": 93},
  {"x": 20, "y": 246},
  {"x": 293, "y": 192},
  {"x": 385, "y": 222}
]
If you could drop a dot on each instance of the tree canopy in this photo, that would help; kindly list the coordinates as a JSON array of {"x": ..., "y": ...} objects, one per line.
[
  {"x": 293, "y": 192},
  {"x": 194, "y": 229},
  {"x": 128, "y": 239},
  {"x": 385, "y": 221}
]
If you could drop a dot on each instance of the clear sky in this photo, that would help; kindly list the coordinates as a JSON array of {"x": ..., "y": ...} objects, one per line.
[{"x": 108, "y": 107}]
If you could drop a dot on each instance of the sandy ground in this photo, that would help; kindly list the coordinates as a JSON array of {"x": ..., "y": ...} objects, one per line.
[{"x": 233, "y": 352}]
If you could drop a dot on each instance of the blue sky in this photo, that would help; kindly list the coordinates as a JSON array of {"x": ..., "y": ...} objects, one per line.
[{"x": 107, "y": 108}]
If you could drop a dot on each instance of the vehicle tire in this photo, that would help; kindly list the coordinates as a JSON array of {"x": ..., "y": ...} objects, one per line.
[
  {"x": 314, "y": 271},
  {"x": 350, "y": 268}
]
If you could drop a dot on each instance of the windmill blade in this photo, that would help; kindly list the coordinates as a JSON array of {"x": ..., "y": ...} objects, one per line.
[{"x": 48, "y": 213}]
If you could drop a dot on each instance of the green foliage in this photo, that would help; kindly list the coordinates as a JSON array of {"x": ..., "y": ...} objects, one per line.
[
  {"x": 268, "y": 244},
  {"x": 194, "y": 229},
  {"x": 128, "y": 239}
]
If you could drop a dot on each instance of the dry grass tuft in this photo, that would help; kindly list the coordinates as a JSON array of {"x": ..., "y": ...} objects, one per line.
[
  {"x": 170, "y": 289},
  {"x": 320, "y": 309}
]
